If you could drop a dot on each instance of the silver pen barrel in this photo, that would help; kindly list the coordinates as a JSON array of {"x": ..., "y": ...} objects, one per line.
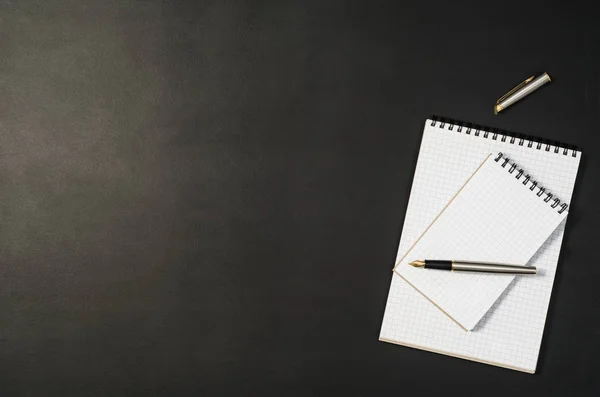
[
  {"x": 521, "y": 91},
  {"x": 492, "y": 268}
]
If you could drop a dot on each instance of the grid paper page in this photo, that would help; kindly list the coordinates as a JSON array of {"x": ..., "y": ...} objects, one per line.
[
  {"x": 510, "y": 333},
  {"x": 494, "y": 218}
]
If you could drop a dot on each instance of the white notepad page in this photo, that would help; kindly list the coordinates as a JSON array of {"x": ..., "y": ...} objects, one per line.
[
  {"x": 510, "y": 333},
  {"x": 499, "y": 215}
]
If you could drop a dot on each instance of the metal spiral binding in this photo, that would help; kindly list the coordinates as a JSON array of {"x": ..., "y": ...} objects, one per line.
[
  {"x": 503, "y": 135},
  {"x": 504, "y": 161}
]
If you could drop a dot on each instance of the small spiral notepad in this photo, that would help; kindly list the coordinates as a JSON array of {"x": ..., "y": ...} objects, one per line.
[
  {"x": 510, "y": 333},
  {"x": 499, "y": 215}
]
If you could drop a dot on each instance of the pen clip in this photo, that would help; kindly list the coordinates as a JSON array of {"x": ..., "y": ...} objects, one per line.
[{"x": 518, "y": 87}]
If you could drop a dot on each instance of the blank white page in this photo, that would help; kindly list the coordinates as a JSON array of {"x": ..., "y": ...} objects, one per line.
[
  {"x": 510, "y": 333},
  {"x": 500, "y": 216}
]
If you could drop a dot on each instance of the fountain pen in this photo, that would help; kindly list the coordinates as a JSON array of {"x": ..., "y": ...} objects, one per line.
[{"x": 481, "y": 267}]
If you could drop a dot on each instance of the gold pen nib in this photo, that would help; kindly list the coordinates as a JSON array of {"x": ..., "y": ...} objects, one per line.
[
  {"x": 497, "y": 108},
  {"x": 417, "y": 263}
]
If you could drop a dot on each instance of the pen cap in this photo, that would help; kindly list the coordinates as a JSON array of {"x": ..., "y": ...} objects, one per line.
[{"x": 525, "y": 90}]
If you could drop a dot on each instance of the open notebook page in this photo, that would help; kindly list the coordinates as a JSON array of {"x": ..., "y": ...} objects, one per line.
[
  {"x": 510, "y": 334},
  {"x": 499, "y": 215}
]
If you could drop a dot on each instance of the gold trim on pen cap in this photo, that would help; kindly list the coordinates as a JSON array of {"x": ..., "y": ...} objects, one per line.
[
  {"x": 498, "y": 108},
  {"x": 518, "y": 87}
]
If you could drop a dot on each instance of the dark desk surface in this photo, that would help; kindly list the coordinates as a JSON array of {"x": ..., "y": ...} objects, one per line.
[{"x": 205, "y": 198}]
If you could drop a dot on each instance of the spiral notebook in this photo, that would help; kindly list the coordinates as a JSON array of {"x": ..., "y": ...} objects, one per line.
[
  {"x": 510, "y": 333},
  {"x": 499, "y": 215}
]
